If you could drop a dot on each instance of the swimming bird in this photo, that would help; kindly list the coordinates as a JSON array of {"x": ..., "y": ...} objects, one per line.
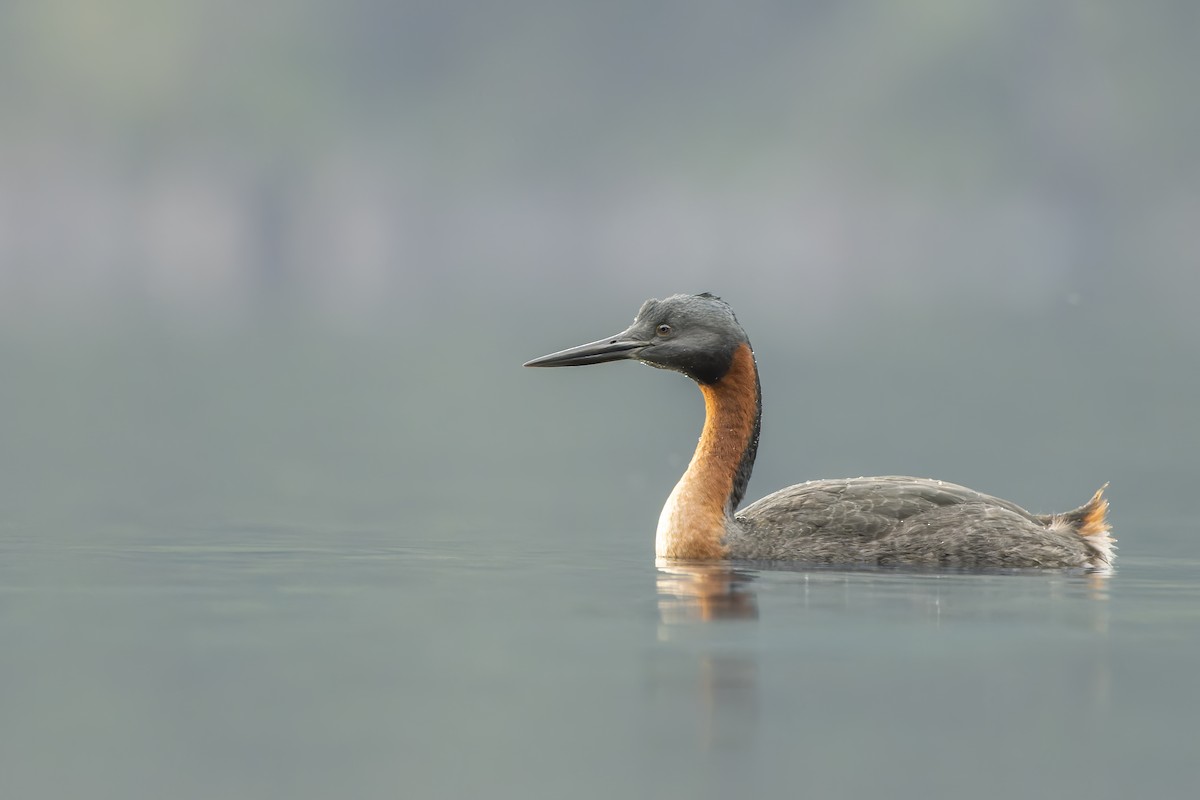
[{"x": 884, "y": 520}]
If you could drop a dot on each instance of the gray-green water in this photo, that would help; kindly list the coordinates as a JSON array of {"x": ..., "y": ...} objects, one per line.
[
  {"x": 302, "y": 563},
  {"x": 237, "y": 663}
]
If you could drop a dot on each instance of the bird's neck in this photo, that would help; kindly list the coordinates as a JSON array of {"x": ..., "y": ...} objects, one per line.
[{"x": 699, "y": 511}]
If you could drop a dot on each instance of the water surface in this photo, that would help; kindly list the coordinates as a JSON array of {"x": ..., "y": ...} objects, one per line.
[{"x": 234, "y": 663}]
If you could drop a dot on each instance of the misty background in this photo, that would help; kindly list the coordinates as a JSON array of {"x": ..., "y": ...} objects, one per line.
[{"x": 283, "y": 261}]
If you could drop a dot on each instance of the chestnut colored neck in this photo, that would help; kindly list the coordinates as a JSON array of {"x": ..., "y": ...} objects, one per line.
[{"x": 696, "y": 516}]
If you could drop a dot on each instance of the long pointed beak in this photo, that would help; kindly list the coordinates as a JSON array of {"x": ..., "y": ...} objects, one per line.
[{"x": 614, "y": 348}]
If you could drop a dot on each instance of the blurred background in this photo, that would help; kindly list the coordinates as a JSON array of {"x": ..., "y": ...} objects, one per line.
[{"x": 284, "y": 260}]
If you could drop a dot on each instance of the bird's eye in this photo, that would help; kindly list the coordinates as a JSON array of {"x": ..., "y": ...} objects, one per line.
[{"x": 664, "y": 330}]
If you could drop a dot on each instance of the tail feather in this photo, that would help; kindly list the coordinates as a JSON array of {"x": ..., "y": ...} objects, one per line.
[{"x": 1090, "y": 521}]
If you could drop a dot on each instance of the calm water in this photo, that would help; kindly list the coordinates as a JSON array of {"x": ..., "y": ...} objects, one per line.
[
  {"x": 233, "y": 663},
  {"x": 247, "y": 572}
]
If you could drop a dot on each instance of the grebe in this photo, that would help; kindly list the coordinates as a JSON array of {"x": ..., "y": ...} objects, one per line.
[{"x": 885, "y": 520}]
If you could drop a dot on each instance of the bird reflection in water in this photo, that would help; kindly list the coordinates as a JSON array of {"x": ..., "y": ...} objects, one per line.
[
  {"x": 706, "y": 674},
  {"x": 701, "y": 592},
  {"x": 717, "y": 690}
]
